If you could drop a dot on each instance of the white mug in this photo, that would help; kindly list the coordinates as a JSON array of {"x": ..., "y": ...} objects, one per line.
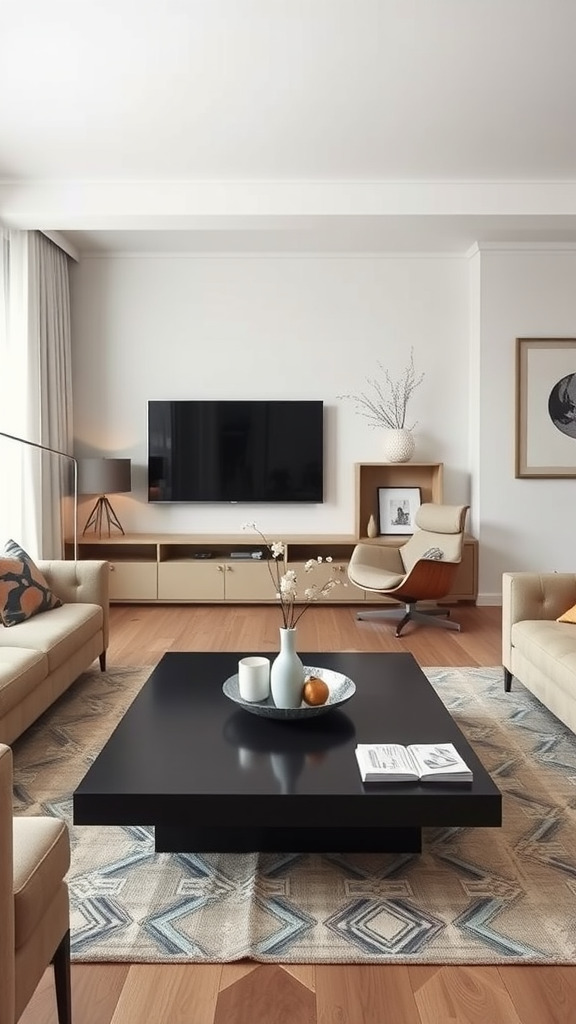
[{"x": 254, "y": 678}]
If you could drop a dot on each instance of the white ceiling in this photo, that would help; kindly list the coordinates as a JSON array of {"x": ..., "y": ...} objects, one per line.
[{"x": 166, "y": 92}]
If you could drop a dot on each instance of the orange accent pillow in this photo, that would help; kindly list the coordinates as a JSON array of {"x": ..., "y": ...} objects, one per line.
[
  {"x": 569, "y": 616},
  {"x": 24, "y": 591}
]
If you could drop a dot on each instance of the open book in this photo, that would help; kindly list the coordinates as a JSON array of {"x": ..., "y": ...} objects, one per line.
[{"x": 424, "y": 762}]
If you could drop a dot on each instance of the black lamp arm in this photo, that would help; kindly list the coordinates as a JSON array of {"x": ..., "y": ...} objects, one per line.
[{"x": 63, "y": 455}]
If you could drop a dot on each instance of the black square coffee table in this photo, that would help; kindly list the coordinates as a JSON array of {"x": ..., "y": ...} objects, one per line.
[{"x": 212, "y": 777}]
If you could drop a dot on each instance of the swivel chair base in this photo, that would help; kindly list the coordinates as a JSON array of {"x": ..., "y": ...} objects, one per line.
[{"x": 412, "y": 615}]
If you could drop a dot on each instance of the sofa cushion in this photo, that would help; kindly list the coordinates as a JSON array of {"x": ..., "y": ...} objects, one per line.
[
  {"x": 21, "y": 671},
  {"x": 41, "y": 860},
  {"x": 59, "y": 633},
  {"x": 24, "y": 591},
  {"x": 551, "y": 647}
]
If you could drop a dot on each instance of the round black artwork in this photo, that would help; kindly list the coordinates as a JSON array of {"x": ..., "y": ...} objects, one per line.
[{"x": 562, "y": 405}]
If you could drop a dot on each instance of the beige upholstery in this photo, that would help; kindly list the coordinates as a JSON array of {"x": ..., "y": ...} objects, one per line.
[
  {"x": 34, "y": 908},
  {"x": 42, "y": 657},
  {"x": 81, "y": 583},
  {"x": 537, "y": 650},
  {"x": 403, "y": 574}
]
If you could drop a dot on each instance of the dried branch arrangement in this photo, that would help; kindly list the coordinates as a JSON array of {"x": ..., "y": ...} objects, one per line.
[{"x": 387, "y": 404}]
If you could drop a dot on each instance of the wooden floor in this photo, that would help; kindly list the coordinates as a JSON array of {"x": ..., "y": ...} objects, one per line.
[{"x": 249, "y": 993}]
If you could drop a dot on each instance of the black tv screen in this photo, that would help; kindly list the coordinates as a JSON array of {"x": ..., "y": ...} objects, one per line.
[{"x": 226, "y": 451}]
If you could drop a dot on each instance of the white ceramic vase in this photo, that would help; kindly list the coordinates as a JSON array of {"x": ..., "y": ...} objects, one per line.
[
  {"x": 399, "y": 445},
  {"x": 287, "y": 673}
]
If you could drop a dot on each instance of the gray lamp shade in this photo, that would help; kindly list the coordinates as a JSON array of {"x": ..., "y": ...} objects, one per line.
[{"x": 104, "y": 476}]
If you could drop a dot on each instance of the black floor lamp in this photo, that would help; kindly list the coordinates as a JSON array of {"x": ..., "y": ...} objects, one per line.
[{"x": 62, "y": 455}]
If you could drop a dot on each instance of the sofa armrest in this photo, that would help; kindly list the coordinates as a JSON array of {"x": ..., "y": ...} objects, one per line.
[
  {"x": 533, "y": 595},
  {"x": 7, "y": 942},
  {"x": 84, "y": 582}
]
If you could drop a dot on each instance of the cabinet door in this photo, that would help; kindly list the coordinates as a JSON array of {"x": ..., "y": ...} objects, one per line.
[
  {"x": 133, "y": 581},
  {"x": 190, "y": 581},
  {"x": 319, "y": 575},
  {"x": 248, "y": 581}
]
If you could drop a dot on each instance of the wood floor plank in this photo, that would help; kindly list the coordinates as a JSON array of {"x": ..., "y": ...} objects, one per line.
[
  {"x": 421, "y": 974},
  {"x": 231, "y": 973},
  {"x": 542, "y": 995},
  {"x": 175, "y": 993},
  {"x": 269, "y": 995},
  {"x": 96, "y": 990},
  {"x": 466, "y": 995},
  {"x": 42, "y": 1007},
  {"x": 304, "y": 973},
  {"x": 140, "y": 633},
  {"x": 363, "y": 993}
]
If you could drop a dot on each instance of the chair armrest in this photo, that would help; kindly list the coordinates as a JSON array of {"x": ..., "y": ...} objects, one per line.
[
  {"x": 7, "y": 941},
  {"x": 85, "y": 582},
  {"x": 532, "y": 595}
]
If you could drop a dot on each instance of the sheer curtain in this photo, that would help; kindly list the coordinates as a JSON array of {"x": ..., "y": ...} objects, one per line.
[{"x": 35, "y": 362}]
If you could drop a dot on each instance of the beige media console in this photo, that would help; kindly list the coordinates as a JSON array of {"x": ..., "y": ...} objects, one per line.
[{"x": 198, "y": 568}]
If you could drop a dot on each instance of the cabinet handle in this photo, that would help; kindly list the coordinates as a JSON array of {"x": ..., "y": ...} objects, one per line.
[
  {"x": 220, "y": 568},
  {"x": 111, "y": 567}
]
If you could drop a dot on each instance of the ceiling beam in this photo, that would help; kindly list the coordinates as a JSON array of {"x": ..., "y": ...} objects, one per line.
[{"x": 191, "y": 204}]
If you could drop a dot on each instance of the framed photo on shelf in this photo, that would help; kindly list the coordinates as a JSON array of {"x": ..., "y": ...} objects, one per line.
[
  {"x": 397, "y": 507},
  {"x": 545, "y": 407}
]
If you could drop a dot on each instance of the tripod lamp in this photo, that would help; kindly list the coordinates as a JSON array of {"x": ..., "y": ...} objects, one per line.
[
  {"x": 62, "y": 455},
  {"x": 102, "y": 477}
]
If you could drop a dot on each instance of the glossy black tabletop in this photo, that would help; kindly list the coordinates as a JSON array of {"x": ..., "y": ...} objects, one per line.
[{"x": 183, "y": 748}]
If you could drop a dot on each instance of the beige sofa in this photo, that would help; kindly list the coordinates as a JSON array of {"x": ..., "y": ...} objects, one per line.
[
  {"x": 42, "y": 657},
  {"x": 537, "y": 650},
  {"x": 34, "y": 907}
]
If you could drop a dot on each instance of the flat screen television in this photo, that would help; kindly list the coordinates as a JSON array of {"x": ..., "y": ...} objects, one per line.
[{"x": 228, "y": 451}]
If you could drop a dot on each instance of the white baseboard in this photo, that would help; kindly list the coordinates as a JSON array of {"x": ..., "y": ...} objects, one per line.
[{"x": 489, "y": 599}]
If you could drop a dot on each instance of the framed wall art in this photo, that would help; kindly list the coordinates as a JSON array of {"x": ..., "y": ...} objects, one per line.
[
  {"x": 546, "y": 407},
  {"x": 397, "y": 507}
]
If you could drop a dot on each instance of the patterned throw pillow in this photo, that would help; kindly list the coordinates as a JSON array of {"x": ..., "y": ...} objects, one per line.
[
  {"x": 23, "y": 590},
  {"x": 569, "y": 616}
]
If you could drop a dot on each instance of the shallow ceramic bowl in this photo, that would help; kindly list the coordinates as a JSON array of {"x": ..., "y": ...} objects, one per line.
[{"x": 341, "y": 690}]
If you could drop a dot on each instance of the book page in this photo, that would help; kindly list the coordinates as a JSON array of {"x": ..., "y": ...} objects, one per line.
[
  {"x": 388, "y": 759},
  {"x": 437, "y": 758}
]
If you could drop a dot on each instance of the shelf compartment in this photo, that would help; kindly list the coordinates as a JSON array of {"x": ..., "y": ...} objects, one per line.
[
  {"x": 215, "y": 552},
  {"x": 428, "y": 476},
  {"x": 118, "y": 552}
]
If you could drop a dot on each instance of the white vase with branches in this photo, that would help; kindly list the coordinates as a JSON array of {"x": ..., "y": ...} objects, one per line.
[
  {"x": 287, "y": 670},
  {"x": 385, "y": 405}
]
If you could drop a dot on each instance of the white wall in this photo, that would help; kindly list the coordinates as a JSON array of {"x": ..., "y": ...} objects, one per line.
[
  {"x": 269, "y": 327},
  {"x": 524, "y": 524},
  {"x": 315, "y": 327}
]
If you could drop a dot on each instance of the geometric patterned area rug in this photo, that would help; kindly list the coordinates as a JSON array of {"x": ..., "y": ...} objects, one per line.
[{"x": 474, "y": 896}]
